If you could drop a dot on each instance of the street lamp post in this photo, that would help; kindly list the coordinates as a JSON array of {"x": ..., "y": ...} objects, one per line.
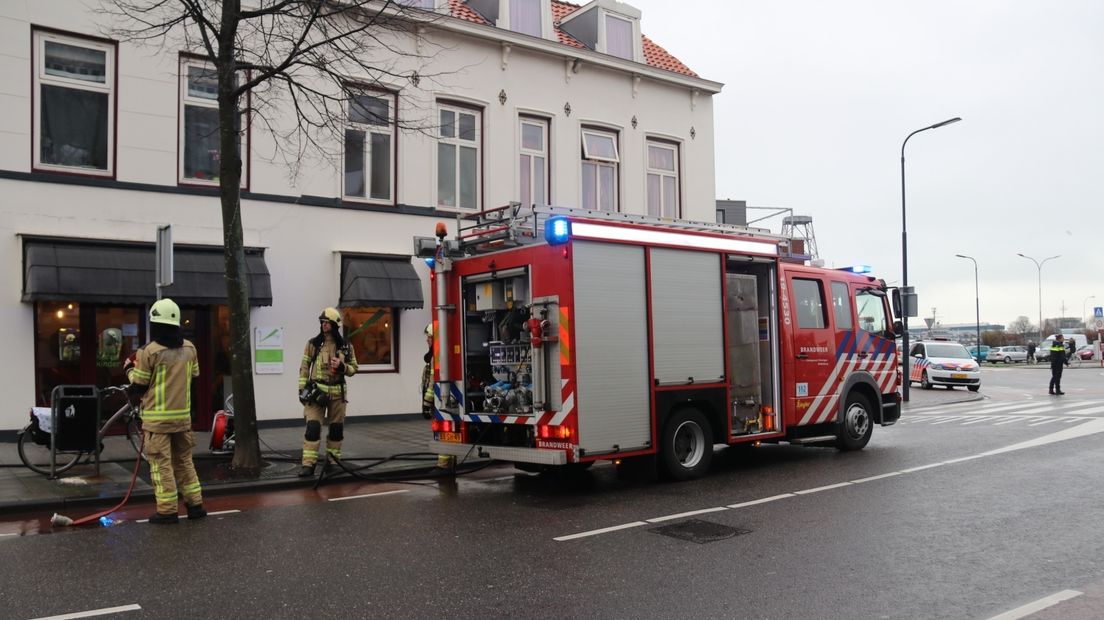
[
  {"x": 1083, "y": 315},
  {"x": 904, "y": 256},
  {"x": 977, "y": 306},
  {"x": 1039, "y": 266}
]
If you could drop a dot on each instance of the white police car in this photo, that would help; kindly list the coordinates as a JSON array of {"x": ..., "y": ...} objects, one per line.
[{"x": 943, "y": 363}]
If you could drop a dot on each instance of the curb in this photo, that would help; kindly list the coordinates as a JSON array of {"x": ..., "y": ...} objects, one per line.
[{"x": 969, "y": 399}]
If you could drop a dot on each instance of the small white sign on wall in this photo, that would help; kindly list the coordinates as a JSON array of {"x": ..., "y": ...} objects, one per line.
[{"x": 268, "y": 350}]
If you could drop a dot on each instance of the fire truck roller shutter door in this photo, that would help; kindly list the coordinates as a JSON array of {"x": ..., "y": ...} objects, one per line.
[
  {"x": 611, "y": 340},
  {"x": 687, "y": 330}
]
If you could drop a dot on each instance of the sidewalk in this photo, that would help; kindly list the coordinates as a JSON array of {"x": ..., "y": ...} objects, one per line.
[{"x": 22, "y": 490}]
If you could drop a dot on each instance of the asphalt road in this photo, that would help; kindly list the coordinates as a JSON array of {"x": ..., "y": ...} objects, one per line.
[{"x": 962, "y": 510}]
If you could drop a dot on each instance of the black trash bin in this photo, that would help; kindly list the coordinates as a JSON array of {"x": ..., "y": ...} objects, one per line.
[{"x": 75, "y": 410}]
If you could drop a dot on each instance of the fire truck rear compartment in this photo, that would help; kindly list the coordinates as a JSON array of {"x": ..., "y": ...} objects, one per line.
[{"x": 497, "y": 351}]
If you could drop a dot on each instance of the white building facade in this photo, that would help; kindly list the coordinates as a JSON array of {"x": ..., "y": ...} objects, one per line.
[{"x": 102, "y": 141}]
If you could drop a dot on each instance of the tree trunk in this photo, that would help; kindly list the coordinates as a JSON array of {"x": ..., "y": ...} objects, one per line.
[{"x": 247, "y": 451}]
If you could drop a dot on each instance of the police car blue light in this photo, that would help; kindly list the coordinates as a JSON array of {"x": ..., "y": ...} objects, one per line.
[{"x": 557, "y": 230}]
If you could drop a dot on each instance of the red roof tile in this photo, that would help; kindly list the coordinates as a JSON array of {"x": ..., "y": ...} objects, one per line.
[{"x": 654, "y": 55}]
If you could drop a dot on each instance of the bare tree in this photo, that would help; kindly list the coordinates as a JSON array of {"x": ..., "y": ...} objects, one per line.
[
  {"x": 306, "y": 60},
  {"x": 1022, "y": 326}
]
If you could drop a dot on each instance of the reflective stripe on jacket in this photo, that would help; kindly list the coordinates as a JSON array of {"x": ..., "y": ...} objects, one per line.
[{"x": 167, "y": 404}]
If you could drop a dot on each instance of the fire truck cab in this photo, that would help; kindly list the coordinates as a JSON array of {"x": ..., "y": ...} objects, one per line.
[{"x": 565, "y": 336}]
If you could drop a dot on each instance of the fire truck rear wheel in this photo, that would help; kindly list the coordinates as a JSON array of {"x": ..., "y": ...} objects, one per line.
[
  {"x": 856, "y": 425},
  {"x": 687, "y": 448}
]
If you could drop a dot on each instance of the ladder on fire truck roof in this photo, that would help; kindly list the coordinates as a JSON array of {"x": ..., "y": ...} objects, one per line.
[{"x": 514, "y": 224}]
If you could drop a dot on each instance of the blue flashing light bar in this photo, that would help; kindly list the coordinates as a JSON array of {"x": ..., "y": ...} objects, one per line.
[
  {"x": 557, "y": 230},
  {"x": 430, "y": 262},
  {"x": 857, "y": 269}
]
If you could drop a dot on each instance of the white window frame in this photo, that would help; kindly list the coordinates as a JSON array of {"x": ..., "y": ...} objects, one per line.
[
  {"x": 199, "y": 102},
  {"x": 428, "y": 5},
  {"x": 40, "y": 78},
  {"x": 600, "y": 162},
  {"x": 368, "y": 129},
  {"x": 523, "y": 152},
  {"x": 664, "y": 209},
  {"x": 458, "y": 143}
]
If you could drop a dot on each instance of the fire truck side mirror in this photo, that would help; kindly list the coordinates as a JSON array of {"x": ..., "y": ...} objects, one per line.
[{"x": 898, "y": 329}]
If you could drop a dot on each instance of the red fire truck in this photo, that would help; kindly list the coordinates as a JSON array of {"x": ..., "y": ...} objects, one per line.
[{"x": 566, "y": 336}]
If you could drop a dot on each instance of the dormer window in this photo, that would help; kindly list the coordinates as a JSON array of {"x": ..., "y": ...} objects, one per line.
[
  {"x": 531, "y": 17},
  {"x": 607, "y": 27},
  {"x": 525, "y": 16},
  {"x": 619, "y": 37}
]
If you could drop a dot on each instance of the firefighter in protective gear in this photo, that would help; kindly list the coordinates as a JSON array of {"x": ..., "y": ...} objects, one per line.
[
  {"x": 1057, "y": 361},
  {"x": 163, "y": 371},
  {"x": 327, "y": 360},
  {"x": 427, "y": 375}
]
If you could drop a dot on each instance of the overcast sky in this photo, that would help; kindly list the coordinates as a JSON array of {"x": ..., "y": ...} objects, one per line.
[{"x": 819, "y": 95}]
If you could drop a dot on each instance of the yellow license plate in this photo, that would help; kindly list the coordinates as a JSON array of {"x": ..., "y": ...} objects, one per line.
[
  {"x": 958, "y": 375},
  {"x": 449, "y": 437}
]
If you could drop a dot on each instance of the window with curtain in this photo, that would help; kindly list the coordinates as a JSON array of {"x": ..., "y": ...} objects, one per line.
[
  {"x": 199, "y": 125},
  {"x": 370, "y": 147},
  {"x": 459, "y": 140},
  {"x": 619, "y": 37},
  {"x": 74, "y": 103},
  {"x": 525, "y": 16},
  {"x": 663, "y": 179},
  {"x": 599, "y": 170},
  {"x": 533, "y": 162}
]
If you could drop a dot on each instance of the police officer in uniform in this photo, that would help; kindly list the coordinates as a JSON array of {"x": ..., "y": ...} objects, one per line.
[
  {"x": 162, "y": 371},
  {"x": 1057, "y": 362},
  {"x": 327, "y": 360}
]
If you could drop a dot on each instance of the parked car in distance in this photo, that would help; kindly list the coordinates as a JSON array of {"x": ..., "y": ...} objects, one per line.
[
  {"x": 1008, "y": 354},
  {"x": 984, "y": 352},
  {"x": 943, "y": 363},
  {"x": 1042, "y": 352},
  {"x": 1086, "y": 352}
]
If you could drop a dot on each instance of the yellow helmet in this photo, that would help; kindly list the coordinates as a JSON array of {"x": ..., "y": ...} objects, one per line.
[
  {"x": 331, "y": 315},
  {"x": 165, "y": 311}
]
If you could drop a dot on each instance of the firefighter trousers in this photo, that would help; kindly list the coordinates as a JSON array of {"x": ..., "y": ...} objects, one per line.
[
  {"x": 332, "y": 414},
  {"x": 171, "y": 469}
]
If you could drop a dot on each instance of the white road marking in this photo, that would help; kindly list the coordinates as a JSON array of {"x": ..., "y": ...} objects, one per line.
[
  {"x": 1091, "y": 427},
  {"x": 949, "y": 419},
  {"x": 1088, "y": 411},
  {"x": 686, "y": 514},
  {"x": 963, "y": 458},
  {"x": 9, "y": 534},
  {"x": 341, "y": 499},
  {"x": 920, "y": 467},
  {"x": 1036, "y": 606},
  {"x": 985, "y": 418},
  {"x": 756, "y": 502},
  {"x": 823, "y": 488},
  {"x": 1009, "y": 421},
  {"x": 878, "y": 477},
  {"x": 1047, "y": 421},
  {"x": 222, "y": 512},
  {"x": 93, "y": 612},
  {"x": 623, "y": 526}
]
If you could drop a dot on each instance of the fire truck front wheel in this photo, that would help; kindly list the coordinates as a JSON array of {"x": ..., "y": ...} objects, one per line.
[
  {"x": 687, "y": 448},
  {"x": 856, "y": 425}
]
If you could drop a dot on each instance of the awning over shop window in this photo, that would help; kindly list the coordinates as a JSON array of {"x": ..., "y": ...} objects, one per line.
[
  {"x": 56, "y": 269},
  {"x": 379, "y": 281}
]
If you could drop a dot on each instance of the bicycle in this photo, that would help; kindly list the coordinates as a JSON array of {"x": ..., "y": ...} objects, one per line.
[{"x": 34, "y": 442}]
